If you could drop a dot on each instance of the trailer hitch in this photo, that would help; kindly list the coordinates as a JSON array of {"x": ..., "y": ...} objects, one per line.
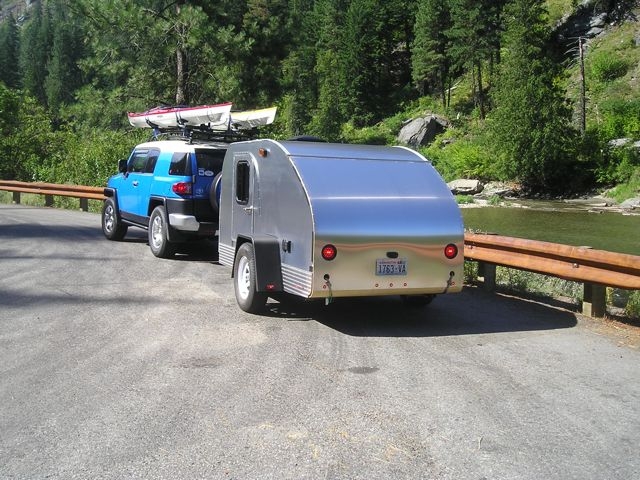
[
  {"x": 327, "y": 284},
  {"x": 450, "y": 281}
]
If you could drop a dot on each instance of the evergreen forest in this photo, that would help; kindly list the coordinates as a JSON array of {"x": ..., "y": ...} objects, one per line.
[{"x": 555, "y": 114}]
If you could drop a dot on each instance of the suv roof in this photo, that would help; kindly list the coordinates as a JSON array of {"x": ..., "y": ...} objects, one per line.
[{"x": 182, "y": 145}]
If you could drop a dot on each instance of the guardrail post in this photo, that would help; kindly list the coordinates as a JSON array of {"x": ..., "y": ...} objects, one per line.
[
  {"x": 488, "y": 273},
  {"x": 84, "y": 204},
  {"x": 16, "y": 198},
  {"x": 594, "y": 301},
  {"x": 48, "y": 200}
]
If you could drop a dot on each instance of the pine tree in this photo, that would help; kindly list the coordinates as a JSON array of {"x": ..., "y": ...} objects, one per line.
[
  {"x": 531, "y": 120},
  {"x": 475, "y": 40},
  {"x": 63, "y": 74},
  {"x": 365, "y": 79},
  {"x": 34, "y": 49},
  {"x": 9, "y": 53},
  {"x": 328, "y": 114},
  {"x": 431, "y": 58}
]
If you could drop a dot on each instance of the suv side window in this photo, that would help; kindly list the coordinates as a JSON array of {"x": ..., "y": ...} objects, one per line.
[
  {"x": 152, "y": 160},
  {"x": 143, "y": 161},
  {"x": 180, "y": 164},
  {"x": 138, "y": 161}
]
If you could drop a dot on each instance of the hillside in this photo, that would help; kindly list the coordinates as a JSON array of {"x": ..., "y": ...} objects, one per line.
[{"x": 504, "y": 77}]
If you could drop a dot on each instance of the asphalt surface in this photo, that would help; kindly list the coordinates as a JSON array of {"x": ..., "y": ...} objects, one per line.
[{"x": 116, "y": 364}]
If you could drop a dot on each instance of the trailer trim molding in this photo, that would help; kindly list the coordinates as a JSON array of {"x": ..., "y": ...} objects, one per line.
[
  {"x": 226, "y": 255},
  {"x": 296, "y": 280}
]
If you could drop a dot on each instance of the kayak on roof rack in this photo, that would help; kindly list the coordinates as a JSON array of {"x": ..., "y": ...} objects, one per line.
[{"x": 213, "y": 117}]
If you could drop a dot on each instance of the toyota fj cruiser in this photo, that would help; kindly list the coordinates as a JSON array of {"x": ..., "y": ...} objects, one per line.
[{"x": 167, "y": 187}]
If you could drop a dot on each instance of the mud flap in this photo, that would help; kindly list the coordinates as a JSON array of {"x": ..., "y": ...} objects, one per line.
[{"x": 268, "y": 264}]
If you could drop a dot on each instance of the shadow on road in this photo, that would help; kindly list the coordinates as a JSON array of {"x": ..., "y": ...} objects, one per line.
[{"x": 470, "y": 312}]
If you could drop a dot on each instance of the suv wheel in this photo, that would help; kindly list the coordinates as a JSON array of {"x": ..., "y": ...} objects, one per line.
[
  {"x": 158, "y": 238},
  {"x": 112, "y": 228},
  {"x": 244, "y": 271}
]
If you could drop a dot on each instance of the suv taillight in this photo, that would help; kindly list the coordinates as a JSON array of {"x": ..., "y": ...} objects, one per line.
[{"x": 181, "y": 188}]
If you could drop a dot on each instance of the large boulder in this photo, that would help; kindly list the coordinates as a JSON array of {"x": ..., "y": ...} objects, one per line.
[
  {"x": 422, "y": 130},
  {"x": 465, "y": 186}
]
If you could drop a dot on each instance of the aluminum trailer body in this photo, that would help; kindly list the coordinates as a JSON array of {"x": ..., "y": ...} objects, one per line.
[{"x": 383, "y": 213}]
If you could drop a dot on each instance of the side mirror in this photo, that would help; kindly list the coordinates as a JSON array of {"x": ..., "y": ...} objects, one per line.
[{"x": 122, "y": 165}]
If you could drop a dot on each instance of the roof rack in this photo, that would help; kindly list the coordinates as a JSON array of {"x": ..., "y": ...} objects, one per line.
[
  {"x": 203, "y": 123},
  {"x": 201, "y": 133}
]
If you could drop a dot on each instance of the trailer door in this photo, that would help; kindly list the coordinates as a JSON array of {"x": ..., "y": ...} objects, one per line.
[{"x": 244, "y": 198}]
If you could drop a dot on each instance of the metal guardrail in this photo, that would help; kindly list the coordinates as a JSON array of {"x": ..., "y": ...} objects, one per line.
[
  {"x": 49, "y": 190},
  {"x": 597, "y": 269},
  {"x": 579, "y": 264}
]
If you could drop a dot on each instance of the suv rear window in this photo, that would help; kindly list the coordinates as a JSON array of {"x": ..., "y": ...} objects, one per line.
[{"x": 209, "y": 162}]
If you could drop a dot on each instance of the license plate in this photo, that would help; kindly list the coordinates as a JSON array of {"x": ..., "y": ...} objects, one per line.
[{"x": 396, "y": 266}]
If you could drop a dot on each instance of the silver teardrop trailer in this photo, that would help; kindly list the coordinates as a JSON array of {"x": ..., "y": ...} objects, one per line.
[{"x": 321, "y": 220}]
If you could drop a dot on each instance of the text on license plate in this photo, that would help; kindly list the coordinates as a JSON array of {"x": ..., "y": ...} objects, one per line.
[{"x": 396, "y": 266}]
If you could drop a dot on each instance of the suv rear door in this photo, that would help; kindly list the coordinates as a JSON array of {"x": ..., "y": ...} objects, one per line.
[{"x": 208, "y": 166}]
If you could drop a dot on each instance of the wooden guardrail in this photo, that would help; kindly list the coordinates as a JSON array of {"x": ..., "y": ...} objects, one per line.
[{"x": 597, "y": 269}]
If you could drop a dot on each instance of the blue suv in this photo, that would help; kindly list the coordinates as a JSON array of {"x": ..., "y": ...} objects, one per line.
[{"x": 168, "y": 187}]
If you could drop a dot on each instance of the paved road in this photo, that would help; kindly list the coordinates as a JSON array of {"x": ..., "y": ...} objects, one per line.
[{"x": 115, "y": 364}]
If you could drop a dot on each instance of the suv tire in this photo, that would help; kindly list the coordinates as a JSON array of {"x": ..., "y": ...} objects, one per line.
[
  {"x": 244, "y": 270},
  {"x": 158, "y": 234},
  {"x": 214, "y": 194},
  {"x": 112, "y": 227}
]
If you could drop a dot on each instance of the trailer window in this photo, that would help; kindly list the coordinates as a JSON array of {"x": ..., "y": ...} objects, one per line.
[{"x": 242, "y": 182}]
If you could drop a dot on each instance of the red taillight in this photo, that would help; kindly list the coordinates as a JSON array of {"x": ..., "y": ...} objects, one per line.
[
  {"x": 329, "y": 252},
  {"x": 181, "y": 188},
  {"x": 451, "y": 251}
]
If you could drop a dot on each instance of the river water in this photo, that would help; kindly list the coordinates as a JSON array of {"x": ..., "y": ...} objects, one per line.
[{"x": 571, "y": 224}]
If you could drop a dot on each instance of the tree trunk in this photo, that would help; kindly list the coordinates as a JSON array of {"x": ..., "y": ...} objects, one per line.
[
  {"x": 480, "y": 93},
  {"x": 180, "y": 77}
]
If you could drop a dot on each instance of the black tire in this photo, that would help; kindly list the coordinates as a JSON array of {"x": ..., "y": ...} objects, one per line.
[
  {"x": 213, "y": 194},
  {"x": 159, "y": 242},
  {"x": 112, "y": 227},
  {"x": 417, "y": 301},
  {"x": 244, "y": 281}
]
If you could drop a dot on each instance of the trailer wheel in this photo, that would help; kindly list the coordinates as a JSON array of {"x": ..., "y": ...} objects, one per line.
[
  {"x": 244, "y": 270},
  {"x": 158, "y": 235},
  {"x": 112, "y": 227}
]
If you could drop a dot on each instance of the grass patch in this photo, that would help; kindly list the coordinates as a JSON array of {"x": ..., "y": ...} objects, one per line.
[
  {"x": 464, "y": 199},
  {"x": 630, "y": 189},
  {"x": 537, "y": 284},
  {"x": 36, "y": 200}
]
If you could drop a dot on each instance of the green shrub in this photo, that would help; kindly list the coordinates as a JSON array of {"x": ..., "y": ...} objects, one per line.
[
  {"x": 463, "y": 158},
  {"x": 606, "y": 67},
  {"x": 633, "y": 305}
]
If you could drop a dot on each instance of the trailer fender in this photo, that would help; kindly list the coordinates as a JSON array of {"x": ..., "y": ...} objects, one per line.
[{"x": 266, "y": 249}]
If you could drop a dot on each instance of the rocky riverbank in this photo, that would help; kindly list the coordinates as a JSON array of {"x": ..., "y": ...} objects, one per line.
[{"x": 474, "y": 194}]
